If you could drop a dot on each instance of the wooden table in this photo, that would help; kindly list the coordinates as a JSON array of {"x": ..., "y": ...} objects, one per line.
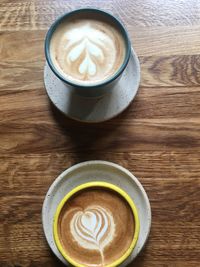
[{"x": 157, "y": 137}]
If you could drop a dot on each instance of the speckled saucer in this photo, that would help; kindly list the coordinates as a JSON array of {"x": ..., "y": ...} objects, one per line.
[
  {"x": 97, "y": 171},
  {"x": 92, "y": 109}
]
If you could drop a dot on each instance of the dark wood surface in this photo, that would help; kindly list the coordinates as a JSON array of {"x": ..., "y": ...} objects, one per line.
[{"x": 157, "y": 137}]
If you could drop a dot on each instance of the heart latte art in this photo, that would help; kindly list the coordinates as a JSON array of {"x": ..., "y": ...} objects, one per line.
[
  {"x": 87, "y": 50},
  {"x": 96, "y": 227},
  {"x": 93, "y": 228}
]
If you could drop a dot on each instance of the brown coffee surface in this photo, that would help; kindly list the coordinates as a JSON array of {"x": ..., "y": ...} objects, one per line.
[
  {"x": 87, "y": 49},
  {"x": 96, "y": 227}
]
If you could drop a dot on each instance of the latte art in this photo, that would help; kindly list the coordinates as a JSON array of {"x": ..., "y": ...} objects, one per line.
[
  {"x": 88, "y": 45},
  {"x": 91, "y": 231},
  {"x": 87, "y": 50},
  {"x": 93, "y": 228}
]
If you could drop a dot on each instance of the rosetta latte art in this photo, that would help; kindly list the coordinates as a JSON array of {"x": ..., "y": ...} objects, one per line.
[
  {"x": 93, "y": 228},
  {"x": 87, "y": 51},
  {"x": 89, "y": 44}
]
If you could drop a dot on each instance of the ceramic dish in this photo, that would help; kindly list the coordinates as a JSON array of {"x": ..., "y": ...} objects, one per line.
[
  {"x": 92, "y": 109},
  {"x": 97, "y": 171}
]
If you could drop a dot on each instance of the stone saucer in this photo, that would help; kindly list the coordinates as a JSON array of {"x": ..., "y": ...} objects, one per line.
[
  {"x": 97, "y": 171},
  {"x": 93, "y": 109}
]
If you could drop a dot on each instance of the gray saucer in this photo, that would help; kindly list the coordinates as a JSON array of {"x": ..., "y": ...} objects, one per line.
[
  {"x": 97, "y": 171},
  {"x": 94, "y": 109}
]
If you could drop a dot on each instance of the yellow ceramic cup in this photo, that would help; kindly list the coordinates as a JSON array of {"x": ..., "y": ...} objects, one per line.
[{"x": 89, "y": 185}]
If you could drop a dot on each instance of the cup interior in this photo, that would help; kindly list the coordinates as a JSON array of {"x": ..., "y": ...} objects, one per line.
[
  {"x": 105, "y": 185},
  {"x": 92, "y": 12}
]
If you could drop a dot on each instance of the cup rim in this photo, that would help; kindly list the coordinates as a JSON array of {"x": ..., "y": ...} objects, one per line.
[
  {"x": 100, "y": 84},
  {"x": 113, "y": 187}
]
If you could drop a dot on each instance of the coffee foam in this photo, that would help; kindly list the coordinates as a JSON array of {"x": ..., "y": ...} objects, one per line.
[
  {"x": 96, "y": 227},
  {"x": 93, "y": 228},
  {"x": 87, "y": 51}
]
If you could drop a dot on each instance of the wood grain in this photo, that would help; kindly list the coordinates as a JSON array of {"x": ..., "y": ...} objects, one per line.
[
  {"x": 157, "y": 137},
  {"x": 40, "y": 14}
]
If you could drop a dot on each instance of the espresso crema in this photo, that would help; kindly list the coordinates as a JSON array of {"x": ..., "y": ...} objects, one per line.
[
  {"x": 96, "y": 227},
  {"x": 87, "y": 50}
]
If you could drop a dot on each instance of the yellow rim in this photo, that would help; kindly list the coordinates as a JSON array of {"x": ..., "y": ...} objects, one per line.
[{"x": 97, "y": 184}]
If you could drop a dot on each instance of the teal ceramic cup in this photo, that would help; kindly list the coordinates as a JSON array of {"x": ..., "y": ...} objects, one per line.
[{"x": 106, "y": 85}]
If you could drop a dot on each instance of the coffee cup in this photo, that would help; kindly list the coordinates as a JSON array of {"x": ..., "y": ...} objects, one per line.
[
  {"x": 88, "y": 49},
  {"x": 96, "y": 224}
]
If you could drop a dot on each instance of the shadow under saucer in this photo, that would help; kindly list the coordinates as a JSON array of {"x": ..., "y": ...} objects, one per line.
[{"x": 92, "y": 109}]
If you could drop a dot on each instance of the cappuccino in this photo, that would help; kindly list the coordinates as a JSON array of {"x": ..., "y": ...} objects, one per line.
[
  {"x": 96, "y": 227},
  {"x": 87, "y": 50}
]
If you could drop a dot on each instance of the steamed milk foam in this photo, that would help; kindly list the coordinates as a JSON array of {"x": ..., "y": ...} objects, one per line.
[
  {"x": 87, "y": 50},
  {"x": 96, "y": 227}
]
